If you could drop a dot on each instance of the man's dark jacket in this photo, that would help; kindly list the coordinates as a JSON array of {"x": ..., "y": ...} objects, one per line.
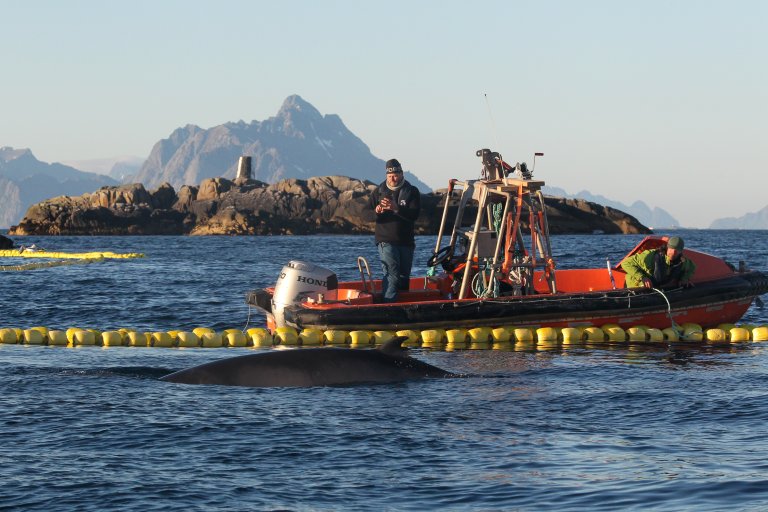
[{"x": 396, "y": 227}]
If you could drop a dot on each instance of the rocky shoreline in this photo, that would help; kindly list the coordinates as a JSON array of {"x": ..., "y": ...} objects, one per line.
[{"x": 218, "y": 206}]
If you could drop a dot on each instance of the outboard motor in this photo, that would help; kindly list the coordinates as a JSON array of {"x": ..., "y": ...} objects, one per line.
[{"x": 297, "y": 279}]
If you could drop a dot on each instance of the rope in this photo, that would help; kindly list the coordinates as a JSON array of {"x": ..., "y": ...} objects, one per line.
[
  {"x": 669, "y": 312},
  {"x": 498, "y": 211},
  {"x": 479, "y": 286},
  {"x": 248, "y": 319}
]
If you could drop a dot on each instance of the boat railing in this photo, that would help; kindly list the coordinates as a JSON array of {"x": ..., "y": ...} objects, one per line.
[{"x": 362, "y": 262}]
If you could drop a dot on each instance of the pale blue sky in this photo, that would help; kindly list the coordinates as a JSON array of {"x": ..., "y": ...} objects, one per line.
[{"x": 664, "y": 101}]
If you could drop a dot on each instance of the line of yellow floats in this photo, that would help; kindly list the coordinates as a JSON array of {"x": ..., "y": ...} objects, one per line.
[
  {"x": 96, "y": 255},
  {"x": 58, "y": 259},
  {"x": 448, "y": 339}
]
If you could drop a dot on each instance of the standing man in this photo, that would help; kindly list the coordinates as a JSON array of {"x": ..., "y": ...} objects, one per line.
[{"x": 397, "y": 204}]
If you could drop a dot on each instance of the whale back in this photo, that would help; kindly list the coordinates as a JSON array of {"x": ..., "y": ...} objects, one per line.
[{"x": 312, "y": 367}]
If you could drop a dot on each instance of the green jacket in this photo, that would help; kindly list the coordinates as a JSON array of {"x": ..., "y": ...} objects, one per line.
[{"x": 643, "y": 265}]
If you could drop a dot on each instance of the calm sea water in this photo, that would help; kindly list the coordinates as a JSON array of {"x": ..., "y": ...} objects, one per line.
[{"x": 583, "y": 429}]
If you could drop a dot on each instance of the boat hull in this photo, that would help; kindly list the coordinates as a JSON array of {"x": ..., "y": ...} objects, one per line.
[{"x": 709, "y": 304}]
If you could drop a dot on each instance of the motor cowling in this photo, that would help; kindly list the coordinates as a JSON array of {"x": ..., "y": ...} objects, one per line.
[{"x": 298, "y": 279}]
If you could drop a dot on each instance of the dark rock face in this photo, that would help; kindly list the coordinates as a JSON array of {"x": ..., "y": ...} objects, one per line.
[
  {"x": 319, "y": 205},
  {"x": 580, "y": 216}
]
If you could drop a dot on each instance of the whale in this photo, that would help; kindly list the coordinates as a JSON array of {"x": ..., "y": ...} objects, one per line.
[{"x": 310, "y": 367}]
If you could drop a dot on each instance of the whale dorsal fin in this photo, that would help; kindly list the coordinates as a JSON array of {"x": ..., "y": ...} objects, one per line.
[{"x": 394, "y": 347}]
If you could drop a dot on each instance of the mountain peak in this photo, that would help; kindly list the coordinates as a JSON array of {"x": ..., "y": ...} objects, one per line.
[
  {"x": 295, "y": 103},
  {"x": 298, "y": 142},
  {"x": 8, "y": 153}
]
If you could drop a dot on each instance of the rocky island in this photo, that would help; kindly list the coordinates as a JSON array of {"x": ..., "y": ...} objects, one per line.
[{"x": 219, "y": 206}]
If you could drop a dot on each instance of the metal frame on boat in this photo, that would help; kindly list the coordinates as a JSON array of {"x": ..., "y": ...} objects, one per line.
[{"x": 492, "y": 277}]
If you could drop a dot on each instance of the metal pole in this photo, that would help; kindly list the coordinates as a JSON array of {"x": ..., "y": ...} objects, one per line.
[
  {"x": 451, "y": 184},
  {"x": 473, "y": 242}
]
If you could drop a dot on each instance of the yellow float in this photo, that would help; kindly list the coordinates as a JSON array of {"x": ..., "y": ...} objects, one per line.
[{"x": 479, "y": 338}]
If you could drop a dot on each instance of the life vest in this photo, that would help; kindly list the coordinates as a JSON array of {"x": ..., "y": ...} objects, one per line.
[{"x": 664, "y": 273}]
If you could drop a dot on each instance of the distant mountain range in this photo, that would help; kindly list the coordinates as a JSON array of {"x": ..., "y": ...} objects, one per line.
[
  {"x": 121, "y": 168},
  {"x": 298, "y": 142},
  {"x": 651, "y": 217},
  {"x": 24, "y": 181},
  {"x": 758, "y": 220}
]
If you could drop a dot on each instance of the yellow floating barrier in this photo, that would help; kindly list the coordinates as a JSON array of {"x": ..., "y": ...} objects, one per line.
[
  {"x": 8, "y": 336},
  {"x": 413, "y": 337},
  {"x": 71, "y": 334},
  {"x": 692, "y": 332},
  {"x": 260, "y": 337},
  {"x": 654, "y": 334},
  {"x": 335, "y": 337},
  {"x": 479, "y": 338},
  {"x": 59, "y": 255},
  {"x": 501, "y": 334},
  {"x": 199, "y": 331},
  {"x": 96, "y": 336},
  {"x": 360, "y": 338},
  {"x": 671, "y": 334},
  {"x": 433, "y": 336},
  {"x": 33, "y": 337},
  {"x": 738, "y": 334},
  {"x": 254, "y": 330},
  {"x": 522, "y": 335},
  {"x": 726, "y": 327},
  {"x": 138, "y": 339},
  {"x": 760, "y": 333},
  {"x": 715, "y": 335},
  {"x": 235, "y": 338},
  {"x": 615, "y": 333},
  {"x": 185, "y": 339},
  {"x": 42, "y": 330},
  {"x": 83, "y": 338},
  {"x": 211, "y": 340},
  {"x": 227, "y": 331},
  {"x": 286, "y": 336},
  {"x": 546, "y": 334},
  {"x": 162, "y": 339},
  {"x": 111, "y": 339},
  {"x": 454, "y": 336},
  {"x": 57, "y": 338},
  {"x": 571, "y": 335},
  {"x": 480, "y": 335},
  {"x": 311, "y": 337},
  {"x": 381, "y": 337},
  {"x": 594, "y": 334},
  {"x": 636, "y": 334},
  {"x": 547, "y": 338}
]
